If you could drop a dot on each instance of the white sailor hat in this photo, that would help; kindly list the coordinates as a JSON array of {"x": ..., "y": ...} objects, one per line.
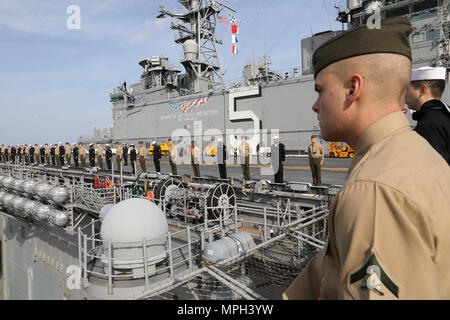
[
  {"x": 428, "y": 73},
  {"x": 154, "y": 142},
  {"x": 276, "y": 138},
  {"x": 220, "y": 140},
  {"x": 107, "y": 145},
  {"x": 90, "y": 144}
]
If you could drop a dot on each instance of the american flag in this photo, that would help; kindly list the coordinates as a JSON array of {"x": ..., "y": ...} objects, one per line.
[
  {"x": 222, "y": 20},
  {"x": 189, "y": 105}
]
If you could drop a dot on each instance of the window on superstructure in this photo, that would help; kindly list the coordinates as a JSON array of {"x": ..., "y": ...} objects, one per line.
[
  {"x": 418, "y": 37},
  {"x": 425, "y": 15},
  {"x": 433, "y": 35},
  {"x": 424, "y": 5},
  {"x": 397, "y": 12}
]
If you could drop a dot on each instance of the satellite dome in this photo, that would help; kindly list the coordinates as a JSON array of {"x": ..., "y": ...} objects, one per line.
[
  {"x": 126, "y": 225},
  {"x": 134, "y": 220}
]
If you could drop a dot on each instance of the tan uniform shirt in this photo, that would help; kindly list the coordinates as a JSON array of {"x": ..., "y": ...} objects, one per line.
[
  {"x": 142, "y": 152},
  {"x": 82, "y": 151},
  {"x": 27, "y": 151},
  {"x": 119, "y": 152},
  {"x": 392, "y": 214},
  {"x": 68, "y": 151},
  {"x": 244, "y": 149},
  {"x": 315, "y": 151},
  {"x": 9, "y": 151},
  {"x": 173, "y": 152},
  {"x": 37, "y": 151},
  {"x": 57, "y": 151},
  {"x": 47, "y": 151},
  {"x": 3, "y": 150},
  {"x": 100, "y": 151}
]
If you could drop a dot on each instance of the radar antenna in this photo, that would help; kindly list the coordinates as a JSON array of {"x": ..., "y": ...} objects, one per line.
[{"x": 201, "y": 57}]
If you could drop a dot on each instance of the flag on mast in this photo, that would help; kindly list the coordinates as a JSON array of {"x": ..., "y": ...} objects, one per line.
[
  {"x": 235, "y": 49},
  {"x": 234, "y": 38},
  {"x": 234, "y": 29}
]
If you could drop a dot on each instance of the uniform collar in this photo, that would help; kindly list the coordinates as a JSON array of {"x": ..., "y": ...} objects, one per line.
[
  {"x": 430, "y": 106},
  {"x": 381, "y": 129}
]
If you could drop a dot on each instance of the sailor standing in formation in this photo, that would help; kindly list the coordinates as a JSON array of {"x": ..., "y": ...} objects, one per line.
[
  {"x": 42, "y": 154},
  {"x": 37, "y": 153},
  {"x": 119, "y": 155},
  {"x": 47, "y": 154},
  {"x": 92, "y": 155},
  {"x": 142, "y": 155},
  {"x": 62, "y": 152},
  {"x": 99, "y": 155},
  {"x": 391, "y": 218},
  {"x": 316, "y": 157},
  {"x": 432, "y": 115},
  {"x": 157, "y": 156},
  {"x": 75, "y": 152},
  {"x": 68, "y": 154},
  {"x": 244, "y": 151},
  {"x": 195, "y": 158},
  {"x": 125, "y": 154},
  {"x": 222, "y": 158},
  {"x": 278, "y": 155},
  {"x": 2, "y": 153},
  {"x": 108, "y": 156},
  {"x": 31, "y": 153},
  {"x": 173, "y": 156},
  {"x": 133, "y": 158},
  {"x": 82, "y": 151}
]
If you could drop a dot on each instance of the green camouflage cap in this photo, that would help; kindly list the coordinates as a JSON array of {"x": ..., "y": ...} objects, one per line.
[{"x": 392, "y": 37}]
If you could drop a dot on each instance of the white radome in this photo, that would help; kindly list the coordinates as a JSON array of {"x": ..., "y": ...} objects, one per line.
[{"x": 134, "y": 220}]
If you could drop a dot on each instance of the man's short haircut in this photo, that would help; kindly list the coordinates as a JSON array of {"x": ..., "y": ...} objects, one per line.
[{"x": 437, "y": 87}]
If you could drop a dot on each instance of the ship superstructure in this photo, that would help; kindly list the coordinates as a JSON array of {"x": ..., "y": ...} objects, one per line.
[{"x": 196, "y": 104}]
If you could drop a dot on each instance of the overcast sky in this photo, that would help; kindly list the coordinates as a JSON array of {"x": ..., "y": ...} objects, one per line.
[{"x": 54, "y": 82}]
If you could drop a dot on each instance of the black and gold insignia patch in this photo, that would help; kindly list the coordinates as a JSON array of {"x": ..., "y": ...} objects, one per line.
[{"x": 374, "y": 276}]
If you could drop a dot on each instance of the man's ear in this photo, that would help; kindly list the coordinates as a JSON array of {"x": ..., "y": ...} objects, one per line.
[
  {"x": 354, "y": 88},
  {"x": 423, "y": 89}
]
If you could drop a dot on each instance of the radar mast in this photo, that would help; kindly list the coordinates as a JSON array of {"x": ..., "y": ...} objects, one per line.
[{"x": 201, "y": 57}]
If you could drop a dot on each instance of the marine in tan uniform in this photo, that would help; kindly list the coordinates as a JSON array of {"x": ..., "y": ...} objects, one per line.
[
  {"x": 244, "y": 149},
  {"x": 389, "y": 225},
  {"x": 119, "y": 155},
  {"x": 142, "y": 153},
  {"x": 36, "y": 154},
  {"x": 173, "y": 156},
  {"x": 26, "y": 153},
  {"x": 9, "y": 153},
  {"x": 316, "y": 157},
  {"x": 3, "y": 153},
  {"x": 47, "y": 154},
  {"x": 100, "y": 155},
  {"x": 68, "y": 154},
  {"x": 82, "y": 150},
  {"x": 57, "y": 155}
]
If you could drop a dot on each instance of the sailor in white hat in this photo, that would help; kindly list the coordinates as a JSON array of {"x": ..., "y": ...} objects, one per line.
[{"x": 432, "y": 115}]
